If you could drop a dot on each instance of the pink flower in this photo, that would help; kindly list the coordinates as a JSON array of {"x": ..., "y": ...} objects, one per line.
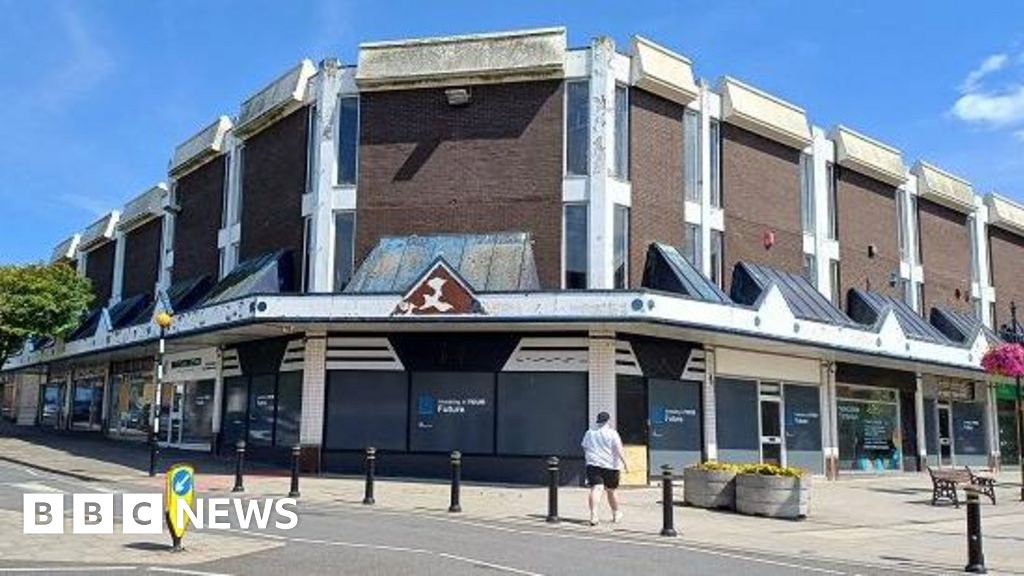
[{"x": 1004, "y": 360}]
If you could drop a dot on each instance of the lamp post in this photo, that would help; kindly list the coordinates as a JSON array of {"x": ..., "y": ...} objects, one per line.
[
  {"x": 163, "y": 321},
  {"x": 1014, "y": 335}
]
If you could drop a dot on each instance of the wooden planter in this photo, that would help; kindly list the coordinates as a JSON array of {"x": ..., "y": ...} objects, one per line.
[
  {"x": 773, "y": 496},
  {"x": 709, "y": 488}
]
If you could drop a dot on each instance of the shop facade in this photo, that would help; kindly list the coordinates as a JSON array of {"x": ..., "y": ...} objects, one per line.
[
  {"x": 132, "y": 389},
  {"x": 958, "y": 422},
  {"x": 189, "y": 399}
]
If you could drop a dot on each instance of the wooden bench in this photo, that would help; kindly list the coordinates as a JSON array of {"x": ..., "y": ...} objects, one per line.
[{"x": 945, "y": 482}]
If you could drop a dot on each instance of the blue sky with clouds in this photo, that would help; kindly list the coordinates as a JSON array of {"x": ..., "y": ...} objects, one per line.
[{"x": 95, "y": 95}]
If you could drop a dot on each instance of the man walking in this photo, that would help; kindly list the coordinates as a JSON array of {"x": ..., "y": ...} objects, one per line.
[{"x": 603, "y": 449}]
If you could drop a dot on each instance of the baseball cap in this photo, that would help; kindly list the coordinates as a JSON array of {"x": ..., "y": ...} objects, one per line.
[{"x": 603, "y": 417}]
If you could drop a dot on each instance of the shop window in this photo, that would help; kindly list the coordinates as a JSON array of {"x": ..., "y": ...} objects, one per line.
[
  {"x": 541, "y": 414},
  {"x": 736, "y": 420},
  {"x": 236, "y": 399},
  {"x": 577, "y": 127},
  {"x": 288, "y": 415},
  {"x": 577, "y": 246},
  {"x": 870, "y": 433},
  {"x": 262, "y": 399},
  {"x": 132, "y": 394},
  {"x": 366, "y": 408},
  {"x": 344, "y": 248},
  {"x": 452, "y": 411},
  {"x": 631, "y": 409},
  {"x": 621, "y": 166},
  {"x": 348, "y": 140},
  {"x": 691, "y": 151},
  {"x": 620, "y": 262}
]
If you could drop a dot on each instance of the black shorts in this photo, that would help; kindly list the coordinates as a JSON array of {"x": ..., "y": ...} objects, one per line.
[{"x": 597, "y": 475}]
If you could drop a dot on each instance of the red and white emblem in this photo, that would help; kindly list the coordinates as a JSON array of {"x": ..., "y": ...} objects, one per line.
[{"x": 439, "y": 291}]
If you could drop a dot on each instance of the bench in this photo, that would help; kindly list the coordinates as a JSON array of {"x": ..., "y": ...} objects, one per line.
[{"x": 945, "y": 482}]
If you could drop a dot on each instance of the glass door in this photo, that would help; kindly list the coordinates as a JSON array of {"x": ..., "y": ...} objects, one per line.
[
  {"x": 945, "y": 437},
  {"x": 771, "y": 424},
  {"x": 174, "y": 416}
]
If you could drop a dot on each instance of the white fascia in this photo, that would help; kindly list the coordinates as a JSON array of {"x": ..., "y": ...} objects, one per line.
[
  {"x": 824, "y": 249},
  {"x": 602, "y": 136}
]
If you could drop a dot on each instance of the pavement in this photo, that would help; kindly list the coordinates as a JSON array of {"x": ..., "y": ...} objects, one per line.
[{"x": 858, "y": 525}]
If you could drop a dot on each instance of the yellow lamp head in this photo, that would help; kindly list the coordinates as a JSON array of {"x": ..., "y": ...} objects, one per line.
[{"x": 163, "y": 319}]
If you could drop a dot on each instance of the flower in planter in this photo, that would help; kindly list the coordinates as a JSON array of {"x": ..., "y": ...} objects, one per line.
[
  {"x": 1004, "y": 360},
  {"x": 772, "y": 470}
]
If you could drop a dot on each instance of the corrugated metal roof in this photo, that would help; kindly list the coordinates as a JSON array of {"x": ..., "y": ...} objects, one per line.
[
  {"x": 500, "y": 262},
  {"x": 129, "y": 311},
  {"x": 749, "y": 281},
  {"x": 264, "y": 274},
  {"x": 870, "y": 307},
  {"x": 666, "y": 269},
  {"x": 960, "y": 326}
]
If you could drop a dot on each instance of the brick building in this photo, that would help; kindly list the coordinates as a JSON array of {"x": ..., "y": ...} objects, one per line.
[{"x": 479, "y": 242}]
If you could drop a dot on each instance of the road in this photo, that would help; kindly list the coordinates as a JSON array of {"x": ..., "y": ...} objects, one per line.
[{"x": 353, "y": 539}]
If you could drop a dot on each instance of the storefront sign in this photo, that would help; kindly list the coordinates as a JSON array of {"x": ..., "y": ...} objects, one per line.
[{"x": 193, "y": 365}]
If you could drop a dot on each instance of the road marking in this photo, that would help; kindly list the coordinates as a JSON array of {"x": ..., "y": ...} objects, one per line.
[
  {"x": 67, "y": 569},
  {"x": 490, "y": 565},
  {"x": 184, "y": 571},
  {"x": 34, "y": 487}
]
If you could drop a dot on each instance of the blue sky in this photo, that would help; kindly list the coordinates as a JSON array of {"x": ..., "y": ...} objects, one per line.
[{"x": 95, "y": 95}]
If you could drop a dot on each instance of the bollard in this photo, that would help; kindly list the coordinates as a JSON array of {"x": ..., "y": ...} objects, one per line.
[
  {"x": 371, "y": 469},
  {"x": 668, "y": 514},
  {"x": 239, "y": 456},
  {"x": 154, "y": 451},
  {"x": 975, "y": 555},
  {"x": 552, "y": 490},
  {"x": 456, "y": 481},
  {"x": 294, "y": 492}
]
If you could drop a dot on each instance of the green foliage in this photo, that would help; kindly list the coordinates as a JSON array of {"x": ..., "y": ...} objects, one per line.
[
  {"x": 762, "y": 469},
  {"x": 37, "y": 300}
]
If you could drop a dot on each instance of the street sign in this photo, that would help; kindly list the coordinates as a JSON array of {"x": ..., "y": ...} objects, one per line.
[{"x": 179, "y": 492}]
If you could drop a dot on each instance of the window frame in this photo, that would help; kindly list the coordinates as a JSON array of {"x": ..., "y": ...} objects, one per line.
[
  {"x": 568, "y": 169},
  {"x": 692, "y": 158},
  {"x": 717, "y": 257},
  {"x": 715, "y": 153},
  {"x": 620, "y": 164},
  {"x": 565, "y": 244},
  {"x": 832, "y": 201},
  {"x": 620, "y": 239},
  {"x": 341, "y": 140},
  {"x": 807, "y": 204},
  {"x": 352, "y": 249}
]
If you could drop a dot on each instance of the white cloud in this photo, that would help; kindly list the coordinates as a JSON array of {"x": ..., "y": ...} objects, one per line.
[
  {"x": 998, "y": 109},
  {"x": 993, "y": 63},
  {"x": 88, "y": 64}
]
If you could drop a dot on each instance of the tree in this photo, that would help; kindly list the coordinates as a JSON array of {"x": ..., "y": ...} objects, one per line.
[{"x": 38, "y": 300}]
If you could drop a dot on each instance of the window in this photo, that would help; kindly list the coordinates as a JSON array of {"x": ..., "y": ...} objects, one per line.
[
  {"x": 901, "y": 223},
  {"x": 576, "y": 246},
  {"x": 169, "y": 219},
  {"x": 225, "y": 193},
  {"x": 228, "y": 259},
  {"x": 993, "y": 323},
  {"x": 620, "y": 255},
  {"x": 312, "y": 151},
  {"x": 715, "y": 136},
  {"x": 691, "y": 249},
  {"x": 621, "y": 168},
  {"x": 717, "y": 262},
  {"x": 577, "y": 127},
  {"x": 834, "y": 279},
  {"x": 344, "y": 248},
  {"x": 307, "y": 254},
  {"x": 920, "y": 298},
  {"x": 348, "y": 139},
  {"x": 691, "y": 152},
  {"x": 975, "y": 273},
  {"x": 811, "y": 269},
  {"x": 833, "y": 221},
  {"x": 916, "y": 215},
  {"x": 807, "y": 192}
]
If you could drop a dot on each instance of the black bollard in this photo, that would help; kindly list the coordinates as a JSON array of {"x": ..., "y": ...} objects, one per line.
[
  {"x": 456, "y": 481},
  {"x": 668, "y": 514},
  {"x": 552, "y": 490},
  {"x": 239, "y": 457},
  {"x": 371, "y": 470},
  {"x": 975, "y": 555},
  {"x": 154, "y": 451},
  {"x": 294, "y": 492}
]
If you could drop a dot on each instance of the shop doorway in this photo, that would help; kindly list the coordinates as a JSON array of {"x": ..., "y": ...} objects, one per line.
[
  {"x": 190, "y": 415},
  {"x": 632, "y": 425},
  {"x": 771, "y": 424},
  {"x": 87, "y": 405},
  {"x": 945, "y": 435}
]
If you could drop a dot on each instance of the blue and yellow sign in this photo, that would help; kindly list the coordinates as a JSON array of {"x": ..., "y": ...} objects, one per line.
[{"x": 180, "y": 491}]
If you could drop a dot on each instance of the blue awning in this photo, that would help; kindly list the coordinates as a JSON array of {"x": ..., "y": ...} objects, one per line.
[
  {"x": 667, "y": 270},
  {"x": 750, "y": 281},
  {"x": 500, "y": 262}
]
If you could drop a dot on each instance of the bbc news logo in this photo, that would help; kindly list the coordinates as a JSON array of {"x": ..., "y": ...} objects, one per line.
[{"x": 94, "y": 513}]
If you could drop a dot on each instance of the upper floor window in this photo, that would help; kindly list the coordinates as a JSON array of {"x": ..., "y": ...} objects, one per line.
[
  {"x": 831, "y": 200},
  {"x": 344, "y": 248},
  {"x": 691, "y": 244},
  {"x": 811, "y": 269},
  {"x": 715, "y": 135},
  {"x": 225, "y": 191},
  {"x": 348, "y": 139},
  {"x": 312, "y": 150},
  {"x": 901, "y": 223},
  {"x": 691, "y": 152},
  {"x": 975, "y": 265},
  {"x": 717, "y": 261},
  {"x": 621, "y": 249},
  {"x": 307, "y": 254},
  {"x": 621, "y": 167},
  {"x": 576, "y": 247},
  {"x": 807, "y": 192},
  {"x": 577, "y": 127},
  {"x": 915, "y": 213},
  {"x": 834, "y": 279}
]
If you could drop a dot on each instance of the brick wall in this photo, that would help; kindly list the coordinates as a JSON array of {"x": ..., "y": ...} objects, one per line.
[
  {"x": 142, "y": 258},
  {"x": 656, "y": 175},
  {"x": 99, "y": 268},
  {"x": 761, "y": 193},
  {"x": 199, "y": 194},
  {"x": 866, "y": 209},
  {"x": 493, "y": 165},
  {"x": 273, "y": 182},
  {"x": 946, "y": 257},
  {"x": 1006, "y": 254}
]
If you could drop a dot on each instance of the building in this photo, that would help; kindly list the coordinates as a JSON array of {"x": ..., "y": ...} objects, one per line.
[{"x": 477, "y": 243}]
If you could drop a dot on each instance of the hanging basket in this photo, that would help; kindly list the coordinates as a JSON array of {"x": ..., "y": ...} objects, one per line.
[{"x": 1004, "y": 360}]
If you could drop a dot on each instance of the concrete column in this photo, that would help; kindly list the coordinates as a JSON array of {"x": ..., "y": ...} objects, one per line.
[
  {"x": 991, "y": 425},
  {"x": 601, "y": 373},
  {"x": 314, "y": 374},
  {"x": 167, "y": 240},
  {"x": 117, "y": 286},
  {"x": 602, "y": 136},
  {"x": 218, "y": 402},
  {"x": 324, "y": 176},
  {"x": 922, "y": 437},
  {"x": 828, "y": 443},
  {"x": 832, "y": 458},
  {"x": 705, "y": 179},
  {"x": 710, "y": 407}
]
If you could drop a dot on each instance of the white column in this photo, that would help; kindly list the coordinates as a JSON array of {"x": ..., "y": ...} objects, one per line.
[
  {"x": 218, "y": 393},
  {"x": 601, "y": 373},
  {"x": 117, "y": 286},
  {"x": 602, "y": 137},
  {"x": 320, "y": 202},
  {"x": 825, "y": 249},
  {"x": 833, "y": 417},
  {"x": 167, "y": 239},
  {"x": 981, "y": 289},
  {"x": 991, "y": 425},
  {"x": 828, "y": 443},
  {"x": 314, "y": 373},
  {"x": 705, "y": 179},
  {"x": 710, "y": 407},
  {"x": 922, "y": 438}
]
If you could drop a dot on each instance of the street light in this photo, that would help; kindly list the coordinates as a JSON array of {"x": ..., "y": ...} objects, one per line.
[
  {"x": 1014, "y": 335},
  {"x": 163, "y": 319}
]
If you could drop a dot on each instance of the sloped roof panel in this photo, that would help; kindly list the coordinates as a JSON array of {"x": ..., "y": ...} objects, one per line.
[
  {"x": 870, "y": 307},
  {"x": 751, "y": 280},
  {"x": 666, "y": 269}
]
